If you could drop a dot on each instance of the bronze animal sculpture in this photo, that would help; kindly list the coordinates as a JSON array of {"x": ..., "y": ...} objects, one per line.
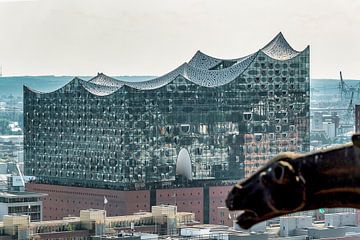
[{"x": 298, "y": 182}]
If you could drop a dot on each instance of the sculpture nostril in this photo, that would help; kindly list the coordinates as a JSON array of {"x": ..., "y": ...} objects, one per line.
[{"x": 233, "y": 200}]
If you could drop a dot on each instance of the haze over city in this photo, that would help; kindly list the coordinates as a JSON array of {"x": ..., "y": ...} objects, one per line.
[{"x": 153, "y": 37}]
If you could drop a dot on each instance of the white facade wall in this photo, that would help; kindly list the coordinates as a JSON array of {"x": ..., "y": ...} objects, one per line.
[
  {"x": 289, "y": 224},
  {"x": 191, "y": 232},
  {"x": 340, "y": 219},
  {"x": 329, "y": 129}
]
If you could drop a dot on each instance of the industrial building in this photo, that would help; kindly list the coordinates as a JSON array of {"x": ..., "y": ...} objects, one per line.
[{"x": 226, "y": 116}]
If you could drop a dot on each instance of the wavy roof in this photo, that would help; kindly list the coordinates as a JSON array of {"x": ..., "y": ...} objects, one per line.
[
  {"x": 202, "y": 70},
  {"x": 279, "y": 49},
  {"x": 98, "y": 89}
]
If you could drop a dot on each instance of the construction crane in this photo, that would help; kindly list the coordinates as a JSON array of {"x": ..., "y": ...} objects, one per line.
[
  {"x": 341, "y": 86},
  {"x": 350, "y": 109},
  {"x": 346, "y": 90}
]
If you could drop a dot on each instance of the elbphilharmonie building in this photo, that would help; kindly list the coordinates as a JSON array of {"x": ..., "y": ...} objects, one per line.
[{"x": 230, "y": 115}]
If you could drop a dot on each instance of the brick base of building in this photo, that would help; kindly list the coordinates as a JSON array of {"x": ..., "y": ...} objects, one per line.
[{"x": 208, "y": 203}]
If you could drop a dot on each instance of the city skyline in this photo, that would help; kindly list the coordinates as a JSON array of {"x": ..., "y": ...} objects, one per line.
[{"x": 72, "y": 38}]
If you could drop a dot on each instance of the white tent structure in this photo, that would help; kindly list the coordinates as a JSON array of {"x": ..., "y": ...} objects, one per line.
[{"x": 183, "y": 164}]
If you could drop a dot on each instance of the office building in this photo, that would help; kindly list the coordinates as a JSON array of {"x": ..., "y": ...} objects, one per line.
[{"x": 26, "y": 203}]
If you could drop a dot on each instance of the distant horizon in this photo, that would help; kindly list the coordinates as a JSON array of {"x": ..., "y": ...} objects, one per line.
[
  {"x": 146, "y": 76},
  {"x": 13, "y": 85}
]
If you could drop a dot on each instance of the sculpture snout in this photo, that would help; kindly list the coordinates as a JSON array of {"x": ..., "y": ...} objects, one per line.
[
  {"x": 235, "y": 198},
  {"x": 245, "y": 197}
]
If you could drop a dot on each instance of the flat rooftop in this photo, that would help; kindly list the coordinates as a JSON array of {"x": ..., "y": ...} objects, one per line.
[{"x": 21, "y": 194}]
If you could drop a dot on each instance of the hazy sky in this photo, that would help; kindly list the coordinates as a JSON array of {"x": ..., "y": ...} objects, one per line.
[{"x": 152, "y": 37}]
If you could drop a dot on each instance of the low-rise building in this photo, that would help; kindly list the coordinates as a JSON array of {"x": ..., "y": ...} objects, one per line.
[
  {"x": 154, "y": 225},
  {"x": 163, "y": 219},
  {"x": 23, "y": 203}
]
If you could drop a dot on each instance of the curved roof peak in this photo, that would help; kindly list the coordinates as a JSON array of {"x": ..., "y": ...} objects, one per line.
[
  {"x": 104, "y": 80},
  {"x": 206, "y": 62},
  {"x": 98, "y": 89},
  {"x": 279, "y": 49},
  {"x": 202, "y": 70},
  {"x": 203, "y": 61}
]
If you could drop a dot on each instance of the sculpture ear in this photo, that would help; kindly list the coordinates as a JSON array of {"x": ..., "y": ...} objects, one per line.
[{"x": 356, "y": 139}]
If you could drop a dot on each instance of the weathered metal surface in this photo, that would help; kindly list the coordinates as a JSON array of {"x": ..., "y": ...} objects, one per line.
[{"x": 298, "y": 182}]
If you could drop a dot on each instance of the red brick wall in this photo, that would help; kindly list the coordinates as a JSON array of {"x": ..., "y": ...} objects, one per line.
[
  {"x": 187, "y": 200},
  {"x": 64, "y": 201},
  {"x": 219, "y": 214}
]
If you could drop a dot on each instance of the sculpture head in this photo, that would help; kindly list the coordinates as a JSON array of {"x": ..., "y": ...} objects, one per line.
[{"x": 274, "y": 190}]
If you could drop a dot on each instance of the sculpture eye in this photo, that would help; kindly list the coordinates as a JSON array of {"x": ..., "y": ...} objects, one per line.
[
  {"x": 278, "y": 173},
  {"x": 265, "y": 179},
  {"x": 283, "y": 172}
]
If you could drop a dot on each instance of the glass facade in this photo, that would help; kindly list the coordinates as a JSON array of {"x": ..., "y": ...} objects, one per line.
[{"x": 231, "y": 116}]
